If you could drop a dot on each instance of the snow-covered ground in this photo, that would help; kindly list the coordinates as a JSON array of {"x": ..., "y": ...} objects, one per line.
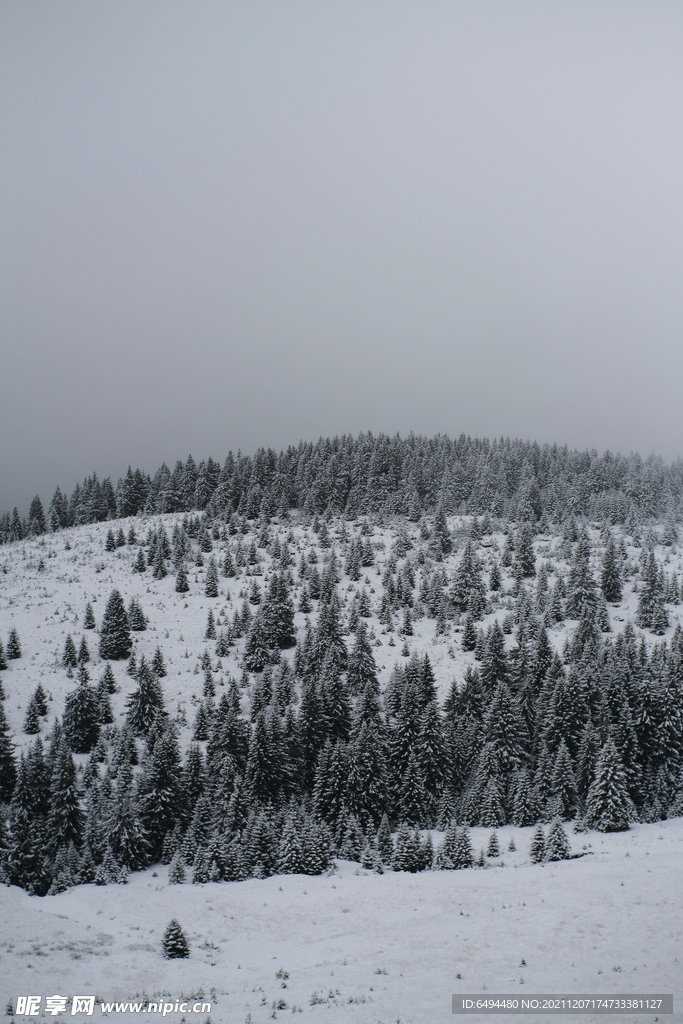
[{"x": 361, "y": 947}]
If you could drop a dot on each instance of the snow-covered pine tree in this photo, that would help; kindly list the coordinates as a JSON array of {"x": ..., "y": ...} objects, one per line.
[
  {"x": 563, "y": 784},
  {"x": 89, "y": 617},
  {"x": 525, "y": 559},
  {"x": 537, "y": 849},
  {"x": 524, "y": 807},
  {"x": 290, "y": 859},
  {"x": 610, "y": 573},
  {"x": 115, "y": 639},
  {"x": 582, "y": 596},
  {"x": 136, "y": 617},
  {"x": 13, "y": 645},
  {"x": 256, "y": 651},
  {"x": 146, "y": 702},
  {"x": 65, "y": 815},
  {"x": 83, "y": 652},
  {"x": 407, "y": 850},
  {"x": 608, "y": 806},
  {"x": 158, "y": 663},
  {"x": 176, "y": 871},
  {"x": 174, "y": 943},
  {"x": 8, "y": 768},
  {"x": 81, "y": 719},
  {"x": 32, "y": 718},
  {"x": 384, "y": 842},
  {"x": 361, "y": 667},
  {"x": 557, "y": 844},
  {"x": 211, "y": 582},
  {"x": 493, "y": 847}
]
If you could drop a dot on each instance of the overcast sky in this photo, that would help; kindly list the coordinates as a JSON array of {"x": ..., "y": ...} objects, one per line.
[{"x": 237, "y": 224}]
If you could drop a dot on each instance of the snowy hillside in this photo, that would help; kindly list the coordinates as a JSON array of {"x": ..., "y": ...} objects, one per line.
[{"x": 268, "y": 702}]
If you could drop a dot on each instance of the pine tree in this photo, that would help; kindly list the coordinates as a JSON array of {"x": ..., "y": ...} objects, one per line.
[
  {"x": 105, "y": 713},
  {"x": 32, "y": 719},
  {"x": 83, "y": 652},
  {"x": 331, "y": 782},
  {"x": 202, "y": 723},
  {"x": 563, "y": 785},
  {"x": 290, "y": 860},
  {"x": 176, "y": 871},
  {"x": 256, "y": 651},
  {"x": 24, "y": 862},
  {"x": 36, "y": 518},
  {"x": 65, "y": 816},
  {"x": 469, "y": 634},
  {"x": 3, "y": 659},
  {"x": 160, "y": 791},
  {"x": 651, "y": 613},
  {"x": 494, "y": 667},
  {"x": 557, "y": 844},
  {"x": 608, "y": 806},
  {"x": 140, "y": 563},
  {"x": 361, "y": 668},
  {"x": 492, "y": 811},
  {"x": 524, "y": 809},
  {"x": 610, "y": 575},
  {"x": 525, "y": 560},
  {"x": 82, "y": 716},
  {"x": 108, "y": 680},
  {"x": 211, "y": 583},
  {"x": 385, "y": 846},
  {"x": 181, "y": 582},
  {"x": 137, "y": 619},
  {"x": 582, "y": 596},
  {"x": 444, "y": 854},
  {"x": 158, "y": 663},
  {"x": 89, "y": 617},
  {"x": 493, "y": 848},
  {"x": 8, "y": 768},
  {"x": 160, "y": 570},
  {"x": 537, "y": 851},
  {"x": 145, "y": 703},
  {"x": 13, "y": 645},
  {"x": 468, "y": 586},
  {"x": 110, "y": 543},
  {"x": 407, "y": 850},
  {"x": 115, "y": 640},
  {"x": 462, "y": 849},
  {"x": 174, "y": 945}
]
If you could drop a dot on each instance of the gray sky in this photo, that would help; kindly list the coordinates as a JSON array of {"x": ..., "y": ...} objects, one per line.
[{"x": 233, "y": 224}]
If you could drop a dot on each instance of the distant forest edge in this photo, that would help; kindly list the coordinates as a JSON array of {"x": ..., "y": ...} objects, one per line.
[{"x": 381, "y": 475}]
